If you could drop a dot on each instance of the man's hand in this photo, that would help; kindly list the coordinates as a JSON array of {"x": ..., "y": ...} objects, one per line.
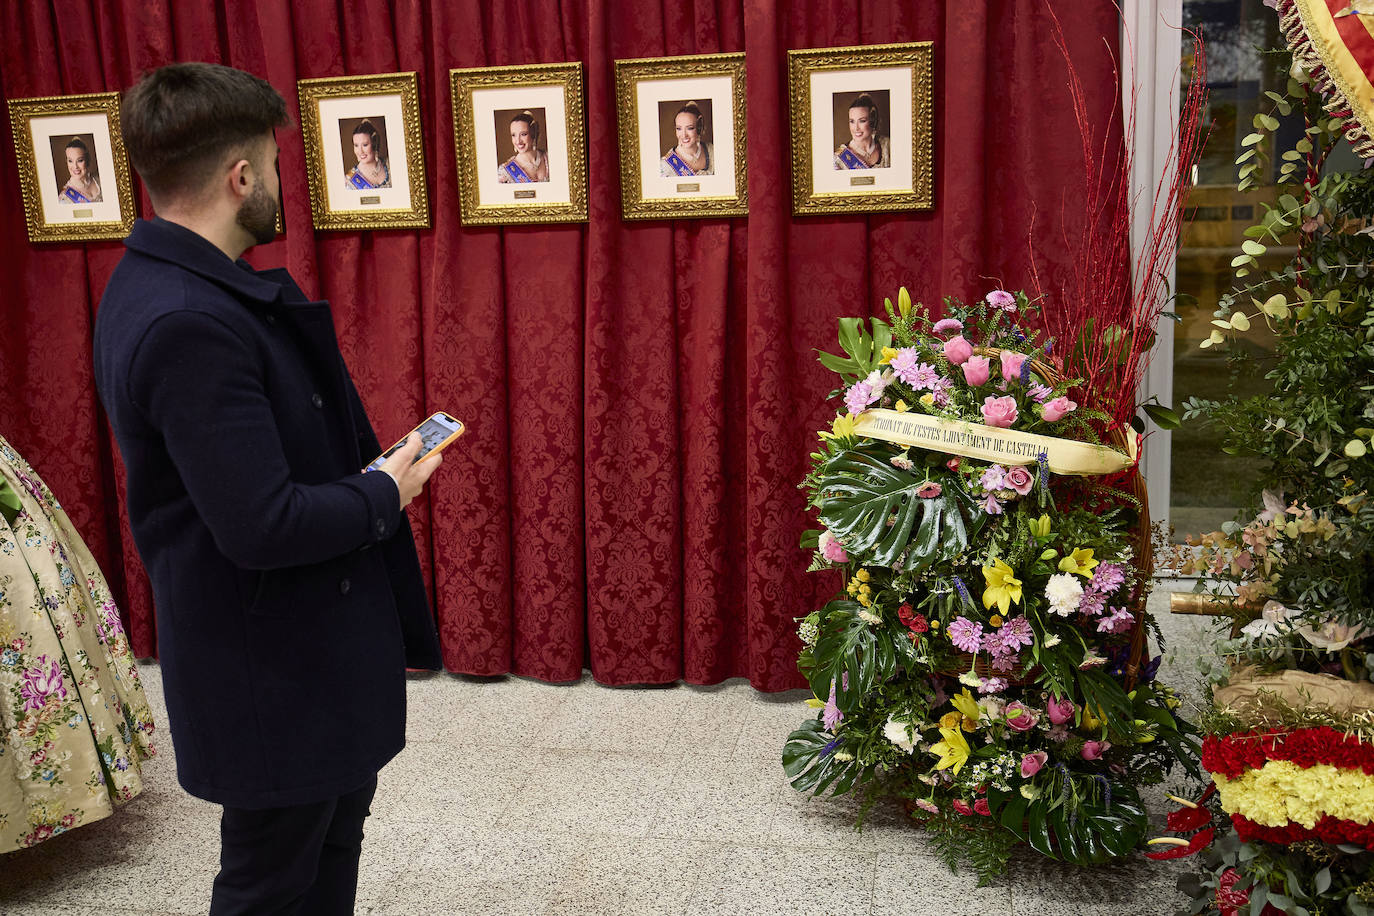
[{"x": 411, "y": 477}]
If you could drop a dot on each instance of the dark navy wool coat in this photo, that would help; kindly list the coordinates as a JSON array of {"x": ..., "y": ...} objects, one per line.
[{"x": 287, "y": 592}]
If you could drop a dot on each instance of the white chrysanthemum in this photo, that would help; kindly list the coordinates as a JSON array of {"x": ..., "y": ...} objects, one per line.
[
  {"x": 1063, "y": 592},
  {"x": 900, "y": 734}
]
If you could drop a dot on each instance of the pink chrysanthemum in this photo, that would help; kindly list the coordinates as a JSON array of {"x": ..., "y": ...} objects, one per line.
[
  {"x": 832, "y": 716},
  {"x": 859, "y": 396},
  {"x": 1005, "y": 661},
  {"x": 1119, "y": 622},
  {"x": 1108, "y": 577},
  {"x": 947, "y": 325},
  {"x": 1015, "y": 633},
  {"x": 905, "y": 362},
  {"x": 993, "y": 685},
  {"x": 926, "y": 804},
  {"x": 1092, "y": 603},
  {"x": 1039, "y": 393},
  {"x": 993, "y": 478},
  {"x": 966, "y": 634}
]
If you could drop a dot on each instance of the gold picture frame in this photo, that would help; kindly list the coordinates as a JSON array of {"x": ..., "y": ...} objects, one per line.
[
  {"x": 65, "y": 145},
  {"x": 520, "y": 140},
  {"x": 841, "y": 97},
  {"x": 656, "y": 101},
  {"x": 364, "y": 151}
]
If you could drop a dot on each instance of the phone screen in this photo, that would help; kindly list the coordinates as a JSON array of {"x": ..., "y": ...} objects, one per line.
[{"x": 434, "y": 431}]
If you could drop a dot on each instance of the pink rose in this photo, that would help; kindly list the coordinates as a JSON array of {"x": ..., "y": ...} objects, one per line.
[
  {"x": 1020, "y": 717},
  {"x": 832, "y": 549},
  {"x": 1011, "y": 365},
  {"x": 953, "y": 464},
  {"x": 1019, "y": 479},
  {"x": 976, "y": 371},
  {"x": 1031, "y": 763},
  {"x": 1093, "y": 750},
  {"x": 1001, "y": 299},
  {"x": 982, "y": 807},
  {"x": 1056, "y": 409},
  {"x": 962, "y": 807},
  {"x": 999, "y": 412},
  {"x": 1060, "y": 709},
  {"x": 957, "y": 350},
  {"x": 929, "y": 490}
]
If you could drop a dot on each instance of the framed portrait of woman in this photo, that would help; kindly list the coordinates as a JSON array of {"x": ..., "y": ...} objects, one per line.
[
  {"x": 682, "y": 136},
  {"x": 520, "y": 138},
  {"x": 73, "y": 171},
  {"x": 862, "y": 128},
  {"x": 364, "y": 151}
]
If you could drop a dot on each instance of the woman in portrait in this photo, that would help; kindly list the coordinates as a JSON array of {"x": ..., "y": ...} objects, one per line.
[
  {"x": 82, "y": 187},
  {"x": 371, "y": 170},
  {"x": 692, "y": 155},
  {"x": 868, "y": 146},
  {"x": 530, "y": 163}
]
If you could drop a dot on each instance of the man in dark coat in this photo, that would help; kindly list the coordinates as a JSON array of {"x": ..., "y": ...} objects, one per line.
[{"x": 287, "y": 590}]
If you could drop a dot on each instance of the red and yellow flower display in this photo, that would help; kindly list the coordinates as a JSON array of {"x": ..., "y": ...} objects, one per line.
[{"x": 1286, "y": 786}]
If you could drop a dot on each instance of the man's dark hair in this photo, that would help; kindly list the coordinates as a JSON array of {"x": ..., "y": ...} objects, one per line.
[{"x": 180, "y": 122}]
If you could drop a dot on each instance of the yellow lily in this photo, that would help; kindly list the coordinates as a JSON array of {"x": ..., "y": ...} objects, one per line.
[
  {"x": 953, "y": 750},
  {"x": 1003, "y": 589},
  {"x": 1040, "y": 527},
  {"x": 889, "y": 354},
  {"x": 842, "y": 428},
  {"x": 1080, "y": 562},
  {"x": 967, "y": 705}
]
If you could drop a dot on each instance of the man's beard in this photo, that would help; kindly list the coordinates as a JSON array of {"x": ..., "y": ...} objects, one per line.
[{"x": 258, "y": 214}]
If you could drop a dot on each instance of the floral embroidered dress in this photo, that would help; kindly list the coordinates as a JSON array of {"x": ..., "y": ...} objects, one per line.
[{"x": 74, "y": 722}]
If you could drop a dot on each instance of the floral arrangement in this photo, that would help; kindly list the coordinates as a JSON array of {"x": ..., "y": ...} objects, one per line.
[
  {"x": 1291, "y": 733},
  {"x": 985, "y": 659}
]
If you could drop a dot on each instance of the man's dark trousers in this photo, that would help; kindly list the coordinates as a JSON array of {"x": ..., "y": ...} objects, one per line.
[{"x": 296, "y": 861}]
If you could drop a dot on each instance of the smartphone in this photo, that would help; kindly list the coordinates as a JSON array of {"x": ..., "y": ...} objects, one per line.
[{"x": 436, "y": 432}]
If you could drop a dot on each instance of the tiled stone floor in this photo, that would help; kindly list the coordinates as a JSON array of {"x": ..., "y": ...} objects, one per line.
[{"x": 517, "y": 797}]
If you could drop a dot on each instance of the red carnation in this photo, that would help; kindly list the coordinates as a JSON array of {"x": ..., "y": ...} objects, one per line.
[
  {"x": 981, "y": 806},
  {"x": 962, "y": 807}
]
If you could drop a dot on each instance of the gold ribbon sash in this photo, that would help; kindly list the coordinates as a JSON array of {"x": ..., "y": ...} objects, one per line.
[{"x": 989, "y": 443}]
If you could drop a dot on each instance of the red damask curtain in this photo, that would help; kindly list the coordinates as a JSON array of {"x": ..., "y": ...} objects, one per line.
[{"x": 641, "y": 397}]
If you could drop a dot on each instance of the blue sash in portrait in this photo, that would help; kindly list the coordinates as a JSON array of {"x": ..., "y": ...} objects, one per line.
[
  {"x": 516, "y": 173},
  {"x": 850, "y": 159},
  {"x": 75, "y": 196},
  {"x": 677, "y": 165},
  {"x": 356, "y": 180}
]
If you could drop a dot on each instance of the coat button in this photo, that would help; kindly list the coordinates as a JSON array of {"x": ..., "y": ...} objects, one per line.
[
  {"x": 317, "y": 400},
  {"x": 381, "y": 527},
  {"x": 270, "y": 318},
  {"x": 344, "y": 586}
]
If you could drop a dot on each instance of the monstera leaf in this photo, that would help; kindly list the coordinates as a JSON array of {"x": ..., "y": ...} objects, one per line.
[
  {"x": 1096, "y": 831},
  {"x": 861, "y": 493},
  {"x": 850, "y": 654},
  {"x": 811, "y": 765}
]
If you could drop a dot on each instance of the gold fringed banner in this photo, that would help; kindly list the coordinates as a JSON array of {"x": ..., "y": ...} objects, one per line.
[
  {"x": 989, "y": 443},
  {"x": 1334, "y": 41}
]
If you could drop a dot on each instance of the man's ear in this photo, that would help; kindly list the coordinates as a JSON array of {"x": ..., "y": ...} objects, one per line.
[{"x": 241, "y": 177}]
